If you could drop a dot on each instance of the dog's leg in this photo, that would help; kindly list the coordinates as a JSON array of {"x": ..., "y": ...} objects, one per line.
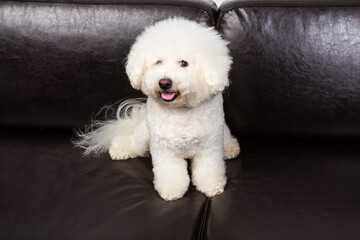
[
  {"x": 171, "y": 178},
  {"x": 208, "y": 171},
  {"x": 231, "y": 145},
  {"x": 131, "y": 146}
]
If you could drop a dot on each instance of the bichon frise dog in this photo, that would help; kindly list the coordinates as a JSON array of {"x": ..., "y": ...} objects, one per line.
[{"x": 182, "y": 67}]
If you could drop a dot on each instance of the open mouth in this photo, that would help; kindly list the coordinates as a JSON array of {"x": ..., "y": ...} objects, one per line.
[{"x": 168, "y": 96}]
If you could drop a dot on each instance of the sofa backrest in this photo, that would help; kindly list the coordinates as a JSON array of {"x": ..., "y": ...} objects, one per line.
[
  {"x": 62, "y": 60},
  {"x": 296, "y": 70}
]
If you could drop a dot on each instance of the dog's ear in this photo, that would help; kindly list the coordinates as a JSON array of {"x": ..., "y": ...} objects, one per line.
[
  {"x": 216, "y": 77},
  {"x": 135, "y": 66},
  {"x": 216, "y": 67}
]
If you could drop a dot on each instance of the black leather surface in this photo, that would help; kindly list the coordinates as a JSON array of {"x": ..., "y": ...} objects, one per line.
[
  {"x": 296, "y": 74},
  {"x": 232, "y": 4},
  {"x": 49, "y": 191},
  {"x": 61, "y": 62},
  {"x": 289, "y": 190},
  {"x": 296, "y": 70},
  {"x": 275, "y": 190}
]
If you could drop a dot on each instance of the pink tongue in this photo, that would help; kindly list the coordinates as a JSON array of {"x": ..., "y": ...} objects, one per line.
[{"x": 167, "y": 96}]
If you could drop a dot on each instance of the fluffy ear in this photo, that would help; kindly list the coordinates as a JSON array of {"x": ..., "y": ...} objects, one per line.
[
  {"x": 216, "y": 71},
  {"x": 135, "y": 66},
  {"x": 215, "y": 63}
]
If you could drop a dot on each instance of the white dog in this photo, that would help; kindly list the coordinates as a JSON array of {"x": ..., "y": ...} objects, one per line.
[{"x": 182, "y": 67}]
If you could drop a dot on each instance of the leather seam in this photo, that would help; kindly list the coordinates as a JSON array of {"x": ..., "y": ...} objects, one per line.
[{"x": 204, "y": 220}]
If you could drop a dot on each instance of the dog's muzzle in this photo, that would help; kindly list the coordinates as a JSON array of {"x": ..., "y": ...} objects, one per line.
[
  {"x": 166, "y": 94},
  {"x": 165, "y": 83}
]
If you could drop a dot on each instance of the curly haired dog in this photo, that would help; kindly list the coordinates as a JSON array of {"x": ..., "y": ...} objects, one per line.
[{"x": 182, "y": 67}]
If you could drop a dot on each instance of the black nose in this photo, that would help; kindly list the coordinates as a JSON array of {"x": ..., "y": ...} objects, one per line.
[{"x": 165, "y": 83}]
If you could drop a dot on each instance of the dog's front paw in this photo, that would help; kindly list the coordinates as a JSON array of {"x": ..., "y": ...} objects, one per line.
[
  {"x": 171, "y": 193},
  {"x": 209, "y": 184},
  {"x": 121, "y": 149},
  {"x": 171, "y": 185},
  {"x": 232, "y": 148}
]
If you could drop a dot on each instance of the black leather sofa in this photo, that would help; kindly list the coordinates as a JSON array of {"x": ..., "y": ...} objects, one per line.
[{"x": 294, "y": 104}]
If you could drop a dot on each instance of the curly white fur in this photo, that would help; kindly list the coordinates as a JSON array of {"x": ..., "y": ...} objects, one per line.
[{"x": 180, "y": 122}]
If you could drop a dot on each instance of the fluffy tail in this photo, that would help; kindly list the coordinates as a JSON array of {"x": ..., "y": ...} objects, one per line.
[{"x": 97, "y": 137}]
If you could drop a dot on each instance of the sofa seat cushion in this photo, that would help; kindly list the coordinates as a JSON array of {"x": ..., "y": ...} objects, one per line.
[
  {"x": 49, "y": 191},
  {"x": 289, "y": 190}
]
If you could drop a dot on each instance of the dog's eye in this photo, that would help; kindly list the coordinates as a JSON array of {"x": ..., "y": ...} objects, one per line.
[
  {"x": 183, "y": 63},
  {"x": 158, "y": 62}
]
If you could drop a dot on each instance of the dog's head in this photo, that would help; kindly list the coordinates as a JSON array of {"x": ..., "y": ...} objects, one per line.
[{"x": 179, "y": 62}]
